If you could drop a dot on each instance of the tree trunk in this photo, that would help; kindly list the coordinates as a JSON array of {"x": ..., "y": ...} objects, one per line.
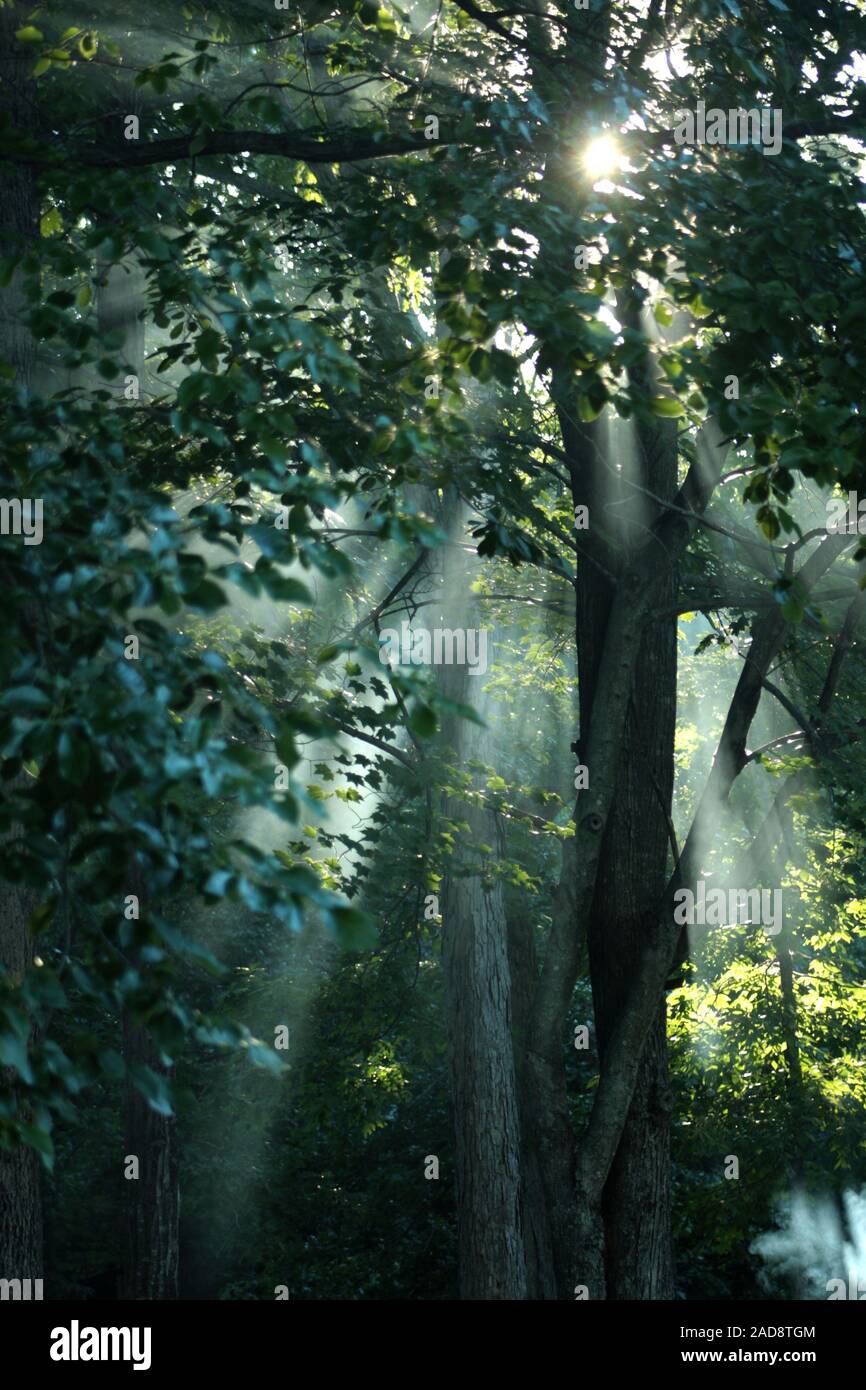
[
  {"x": 538, "y": 1247},
  {"x": 478, "y": 1007},
  {"x": 152, "y": 1192},
  {"x": 20, "y": 1169},
  {"x": 20, "y": 1214},
  {"x": 490, "y": 1242},
  {"x": 636, "y": 1203},
  {"x": 150, "y": 1265},
  {"x": 153, "y": 1198},
  {"x": 635, "y": 1206},
  {"x": 19, "y": 214}
]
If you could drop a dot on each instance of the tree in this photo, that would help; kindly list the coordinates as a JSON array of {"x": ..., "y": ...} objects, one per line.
[{"x": 435, "y": 208}]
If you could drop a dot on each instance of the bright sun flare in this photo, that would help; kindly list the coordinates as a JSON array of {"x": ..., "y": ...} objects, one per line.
[{"x": 601, "y": 157}]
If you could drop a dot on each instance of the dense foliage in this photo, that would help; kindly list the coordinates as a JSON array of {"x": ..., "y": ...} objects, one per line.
[{"x": 293, "y": 299}]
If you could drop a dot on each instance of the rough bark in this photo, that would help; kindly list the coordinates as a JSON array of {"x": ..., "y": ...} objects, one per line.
[
  {"x": 490, "y": 1244},
  {"x": 20, "y": 1169},
  {"x": 152, "y": 1198},
  {"x": 637, "y": 1257},
  {"x": 537, "y": 1243},
  {"x": 150, "y": 1269},
  {"x": 20, "y": 1215},
  {"x": 635, "y": 592},
  {"x": 19, "y": 213},
  {"x": 626, "y": 1046},
  {"x": 478, "y": 1007},
  {"x": 636, "y": 1202}
]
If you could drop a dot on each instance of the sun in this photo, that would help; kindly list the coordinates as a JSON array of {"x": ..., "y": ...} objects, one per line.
[{"x": 601, "y": 157}]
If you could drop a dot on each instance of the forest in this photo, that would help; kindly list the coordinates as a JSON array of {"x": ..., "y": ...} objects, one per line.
[{"x": 433, "y": 680}]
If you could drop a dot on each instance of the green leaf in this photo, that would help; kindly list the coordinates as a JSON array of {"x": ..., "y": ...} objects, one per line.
[
  {"x": 112, "y": 1064},
  {"x": 264, "y": 1055},
  {"x": 13, "y": 1053},
  {"x": 586, "y": 410},
  {"x": 278, "y": 586},
  {"x": 330, "y": 653},
  {"x": 422, "y": 721},
  {"x": 219, "y": 883},
  {"x": 285, "y": 746},
  {"x": 41, "y": 1141},
  {"x": 353, "y": 928},
  {"x": 73, "y": 754},
  {"x": 152, "y": 1086},
  {"x": 768, "y": 522},
  {"x": 207, "y": 596},
  {"x": 50, "y": 223},
  {"x": 667, "y": 406},
  {"x": 41, "y": 917},
  {"x": 25, "y": 699}
]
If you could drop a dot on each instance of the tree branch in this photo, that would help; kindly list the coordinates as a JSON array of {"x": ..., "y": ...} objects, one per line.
[{"x": 136, "y": 154}]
